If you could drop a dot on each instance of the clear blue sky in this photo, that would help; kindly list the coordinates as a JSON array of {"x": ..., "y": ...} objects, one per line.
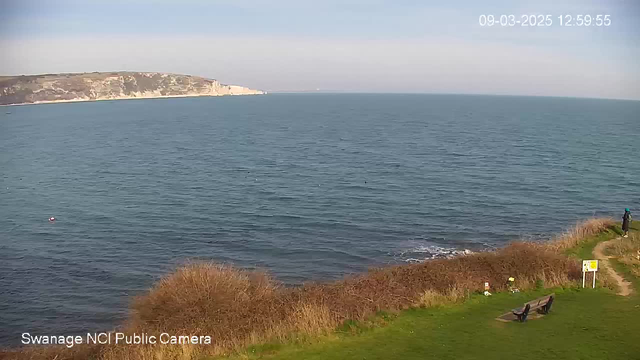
[{"x": 335, "y": 45}]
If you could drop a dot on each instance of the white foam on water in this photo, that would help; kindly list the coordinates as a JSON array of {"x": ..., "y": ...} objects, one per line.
[{"x": 422, "y": 253}]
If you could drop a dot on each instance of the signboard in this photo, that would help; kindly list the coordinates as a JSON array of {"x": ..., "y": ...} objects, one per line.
[{"x": 589, "y": 265}]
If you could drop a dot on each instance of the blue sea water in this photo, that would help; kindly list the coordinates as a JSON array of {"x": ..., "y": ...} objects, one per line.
[{"x": 308, "y": 187}]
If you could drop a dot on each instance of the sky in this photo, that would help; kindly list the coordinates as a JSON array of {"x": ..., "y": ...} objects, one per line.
[{"x": 378, "y": 46}]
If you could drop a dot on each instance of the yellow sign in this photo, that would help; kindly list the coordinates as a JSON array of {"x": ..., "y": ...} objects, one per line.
[{"x": 589, "y": 265}]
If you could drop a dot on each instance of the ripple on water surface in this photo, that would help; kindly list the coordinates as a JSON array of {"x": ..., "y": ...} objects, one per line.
[{"x": 309, "y": 187}]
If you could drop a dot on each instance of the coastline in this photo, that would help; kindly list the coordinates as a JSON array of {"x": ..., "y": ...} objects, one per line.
[{"x": 130, "y": 98}]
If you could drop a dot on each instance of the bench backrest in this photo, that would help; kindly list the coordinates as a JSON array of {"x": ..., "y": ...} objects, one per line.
[{"x": 539, "y": 301}]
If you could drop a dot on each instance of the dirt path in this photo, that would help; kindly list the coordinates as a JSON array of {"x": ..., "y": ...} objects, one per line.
[{"x": 598, "y": 252}]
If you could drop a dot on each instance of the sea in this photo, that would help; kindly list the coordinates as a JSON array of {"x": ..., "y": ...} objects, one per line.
[{"x": 309, "y": 187}]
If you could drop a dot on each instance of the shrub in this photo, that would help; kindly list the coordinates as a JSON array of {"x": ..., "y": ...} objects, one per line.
[{"x": 582, "y": 231}]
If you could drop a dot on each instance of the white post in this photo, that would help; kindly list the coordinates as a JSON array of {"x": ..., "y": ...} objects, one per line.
[
  {"x": 583, "y": 275},
  {"x": 594, "y": 279}
]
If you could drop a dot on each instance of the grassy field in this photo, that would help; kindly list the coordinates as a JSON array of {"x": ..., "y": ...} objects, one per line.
[{"x": 584, "y": 324}]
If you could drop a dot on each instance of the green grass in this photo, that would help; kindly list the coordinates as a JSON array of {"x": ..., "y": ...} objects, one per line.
[{"x": 583, "y": 324}]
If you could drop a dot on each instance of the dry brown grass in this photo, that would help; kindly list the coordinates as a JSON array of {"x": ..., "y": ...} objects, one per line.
[
  {"x": 580, "y": 232},
  {"x": 151, "y": 352},
  {"x": 627, "y": 251},
  {"x": 53, "y": 352},
  {"x": 624, "y": 246},
  {"x": 238, "y": 308},
  {"x": 431, "y": 298}
]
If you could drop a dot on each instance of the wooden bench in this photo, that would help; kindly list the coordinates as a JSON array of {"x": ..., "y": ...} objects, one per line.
[{"x": 541, "y": 305}]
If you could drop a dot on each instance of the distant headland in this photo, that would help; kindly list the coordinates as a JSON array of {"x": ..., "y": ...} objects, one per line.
[{"x": 50, "y": 88}]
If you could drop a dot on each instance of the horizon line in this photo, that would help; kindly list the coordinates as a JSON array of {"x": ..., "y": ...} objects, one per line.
[{"x": 355, "y": 92}]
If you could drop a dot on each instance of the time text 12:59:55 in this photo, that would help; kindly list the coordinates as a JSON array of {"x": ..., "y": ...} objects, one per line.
[{"x": 545, "y": 20}]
